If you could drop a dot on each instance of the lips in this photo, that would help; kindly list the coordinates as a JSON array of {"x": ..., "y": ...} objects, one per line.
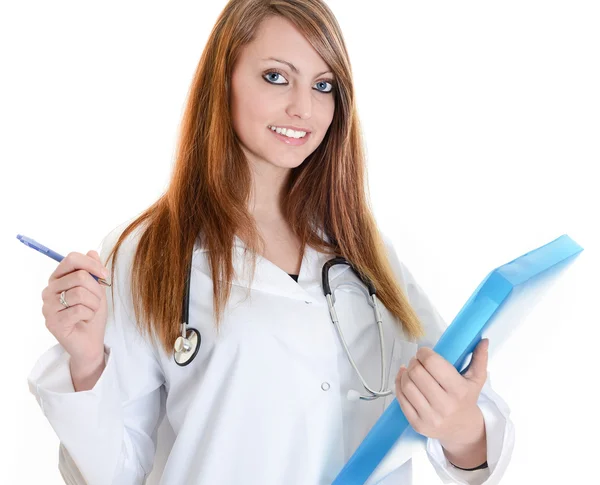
[
  {"x": 291, "y": 141},
  {"x": 289, "y": 127}
]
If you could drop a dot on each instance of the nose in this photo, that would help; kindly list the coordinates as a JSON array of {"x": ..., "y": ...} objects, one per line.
[{"x": 300, "y": 103}]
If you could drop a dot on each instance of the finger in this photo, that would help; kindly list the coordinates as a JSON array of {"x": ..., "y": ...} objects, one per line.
[
  {"x": 435, "y": 394},
  {"x": 65, "y": 321},
  {"x": 94, "y": 254},
  {"x": 78, "y": 295},
  {"x": 407, "y": 408},
  {"x": 477, "y": 370},
  {"x": 73, "y": 280},
  {"x": 440, "y": 369},
  {"x": 76, "y": 261},
  {"x": 415, "y": 396}
]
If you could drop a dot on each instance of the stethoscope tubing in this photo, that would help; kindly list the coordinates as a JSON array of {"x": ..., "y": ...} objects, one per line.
[
  {"x": 188, "y": 343},
  {"x": 330, "y": 297}
]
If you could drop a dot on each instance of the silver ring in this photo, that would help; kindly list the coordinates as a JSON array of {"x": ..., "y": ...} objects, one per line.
[{"x": 63, "y": 300}]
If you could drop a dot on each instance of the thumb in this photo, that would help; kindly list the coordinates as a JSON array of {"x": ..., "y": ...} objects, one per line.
[
  {"x": 94, "y": 255},
  {"x": 477, "y": 370}
]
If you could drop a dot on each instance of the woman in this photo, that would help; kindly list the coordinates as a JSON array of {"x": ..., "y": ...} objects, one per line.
[{"x": 264, "y": 401}]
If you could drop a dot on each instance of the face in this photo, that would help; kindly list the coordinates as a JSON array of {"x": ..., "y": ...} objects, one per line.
[{"x": 267, "y": 93}]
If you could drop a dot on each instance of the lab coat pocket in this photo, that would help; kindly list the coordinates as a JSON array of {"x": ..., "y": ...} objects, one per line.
[{"x": 402, "y": 351}]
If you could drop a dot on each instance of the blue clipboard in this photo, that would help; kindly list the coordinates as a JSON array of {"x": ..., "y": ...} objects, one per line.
[{"x": 459, "y": 340}]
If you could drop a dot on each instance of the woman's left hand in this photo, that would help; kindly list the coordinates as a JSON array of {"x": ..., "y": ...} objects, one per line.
[{"x": 438, "y": 401}]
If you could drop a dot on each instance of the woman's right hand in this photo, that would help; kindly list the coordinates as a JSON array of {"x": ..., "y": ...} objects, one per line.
[{"x": 80, "y": 328}]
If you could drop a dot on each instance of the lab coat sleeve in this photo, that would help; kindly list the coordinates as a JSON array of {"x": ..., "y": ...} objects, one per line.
[
  {"x": 499, "y": 427},
  {"x": 108, "y": 433}
]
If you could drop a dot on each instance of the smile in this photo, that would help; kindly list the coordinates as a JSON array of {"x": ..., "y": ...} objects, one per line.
[{"x": 289, "y": 140}]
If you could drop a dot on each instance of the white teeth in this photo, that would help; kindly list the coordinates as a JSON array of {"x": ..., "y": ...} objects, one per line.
[{"x": 289, "y": 133}]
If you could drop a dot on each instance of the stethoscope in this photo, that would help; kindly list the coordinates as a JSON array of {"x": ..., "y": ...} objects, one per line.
[{"x": 188, "y": 343}]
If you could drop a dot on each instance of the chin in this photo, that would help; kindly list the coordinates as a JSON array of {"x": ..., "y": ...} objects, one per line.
[
  {"x": 291, "y": 162},
  {"x": 286, "y": 158}
]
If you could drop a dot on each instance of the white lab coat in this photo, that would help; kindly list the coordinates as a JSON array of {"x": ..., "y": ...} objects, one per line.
[{"x": 263, "y": 403}]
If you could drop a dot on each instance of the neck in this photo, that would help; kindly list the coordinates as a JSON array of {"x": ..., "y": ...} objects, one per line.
[{"x": 267, "y": 188}]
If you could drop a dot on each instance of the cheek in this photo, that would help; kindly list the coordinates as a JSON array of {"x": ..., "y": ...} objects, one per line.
[
  {"x": 328, "y": 110},
  {"x": 253, "y": 111},
  {"x": 324, "y": 126}
]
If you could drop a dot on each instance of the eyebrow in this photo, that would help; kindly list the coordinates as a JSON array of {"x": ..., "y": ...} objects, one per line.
[{"x": 291, "y": 66}]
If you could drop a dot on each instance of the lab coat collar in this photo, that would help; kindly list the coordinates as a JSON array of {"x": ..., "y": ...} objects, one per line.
[{"x": 270, "y": 278}]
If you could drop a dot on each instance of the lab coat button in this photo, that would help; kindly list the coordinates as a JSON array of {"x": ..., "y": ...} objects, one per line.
[{"x": 325, "y": 386}]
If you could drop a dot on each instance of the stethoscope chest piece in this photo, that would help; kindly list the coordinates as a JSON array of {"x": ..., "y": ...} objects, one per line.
[{"x": 187, "y": 348}]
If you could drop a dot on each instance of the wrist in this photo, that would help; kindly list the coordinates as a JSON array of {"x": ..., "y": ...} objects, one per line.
[
  {"x": 86, "y": 373},
  {"x": 468, "y": 449}
]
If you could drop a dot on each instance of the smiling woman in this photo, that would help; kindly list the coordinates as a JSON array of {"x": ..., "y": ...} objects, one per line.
[
  {"x": 289, "y": 94},
  {"x": 270, "y": 170}
]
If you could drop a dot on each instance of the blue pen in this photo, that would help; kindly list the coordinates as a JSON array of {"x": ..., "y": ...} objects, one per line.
[{"x": 52, "y": 254}]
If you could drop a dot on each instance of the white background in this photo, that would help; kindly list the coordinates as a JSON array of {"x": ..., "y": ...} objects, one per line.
[{"x": 482, "y": 127}]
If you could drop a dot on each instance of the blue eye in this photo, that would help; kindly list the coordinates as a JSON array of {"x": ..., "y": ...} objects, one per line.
[
  {"x": 275, "y": 75},
  {"x": 325, "y": 83}
]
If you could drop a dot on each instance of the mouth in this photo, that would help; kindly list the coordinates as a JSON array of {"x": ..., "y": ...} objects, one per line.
[{"x": 291, "y": 141}]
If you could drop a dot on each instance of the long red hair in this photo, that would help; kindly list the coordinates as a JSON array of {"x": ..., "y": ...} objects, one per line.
[{"x": 208, "y": 193}]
